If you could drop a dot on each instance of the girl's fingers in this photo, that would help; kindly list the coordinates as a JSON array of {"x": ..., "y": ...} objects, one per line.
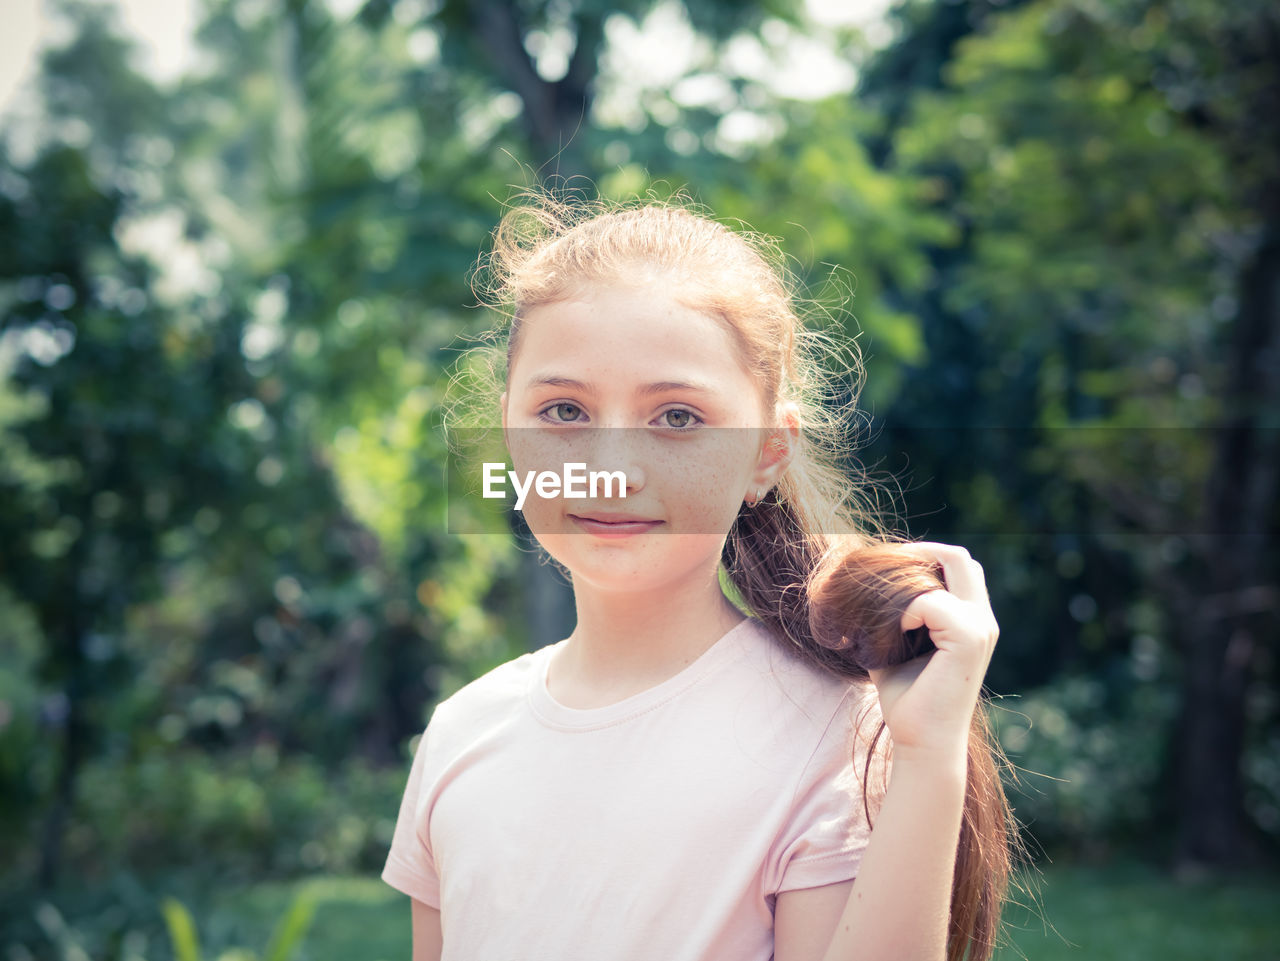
[
  {"x": 928, "y": 700},
  {"x": 951, "y": 620},
  {"x": 964, "y": 576}
]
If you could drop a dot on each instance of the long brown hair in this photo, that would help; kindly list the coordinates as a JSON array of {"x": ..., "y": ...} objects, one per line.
[
  {"x": 812, "y": 559},
  {"x": 857, "y": 597}
]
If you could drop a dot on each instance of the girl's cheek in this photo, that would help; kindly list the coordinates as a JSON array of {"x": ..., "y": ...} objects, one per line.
[{"x": 540, "y": 448}]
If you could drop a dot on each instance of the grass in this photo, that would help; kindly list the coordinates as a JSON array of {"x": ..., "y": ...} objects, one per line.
[
  {"x": 1122, "y": 912},
  {"x": 1132, "y": 912}
]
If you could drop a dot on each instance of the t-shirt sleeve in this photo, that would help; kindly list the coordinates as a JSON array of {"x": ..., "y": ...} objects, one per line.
[
  {"x": 827, "y": 828},
  {"x": 410, "y": 866}
]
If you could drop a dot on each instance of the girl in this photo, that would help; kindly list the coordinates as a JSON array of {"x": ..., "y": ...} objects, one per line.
[{"x": 678, "y": 780}]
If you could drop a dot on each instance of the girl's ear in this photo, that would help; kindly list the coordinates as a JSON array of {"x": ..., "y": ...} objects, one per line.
[
  {"x": 779, "y": 447},
  {"x": 503, "y": 402}
]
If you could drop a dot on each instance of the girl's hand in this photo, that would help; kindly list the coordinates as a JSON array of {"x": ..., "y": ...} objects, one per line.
[{"x": 928, "y": 703}]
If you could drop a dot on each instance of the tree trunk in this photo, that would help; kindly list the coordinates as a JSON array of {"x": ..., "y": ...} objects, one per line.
[
  {"x": 555, "y": 116},
  {"x": 1222, "y": 632},
  {"x": 72, "y": 752},
  {"x": 555, "y": 111}
]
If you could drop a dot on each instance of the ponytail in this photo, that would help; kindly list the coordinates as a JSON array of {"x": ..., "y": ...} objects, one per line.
[{"x": 842, "y": 610}]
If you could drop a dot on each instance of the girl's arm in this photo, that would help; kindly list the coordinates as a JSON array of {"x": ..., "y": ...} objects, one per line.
[
  {"x": 900, "y": 904},
  {"x": 427, "y": 939},
  {"x": 898, "y": 908}
]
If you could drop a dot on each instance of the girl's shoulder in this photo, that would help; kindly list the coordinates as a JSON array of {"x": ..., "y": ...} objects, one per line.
[
  {"x": 791, "y": 682},
  {"x": 498, "y": 690}
]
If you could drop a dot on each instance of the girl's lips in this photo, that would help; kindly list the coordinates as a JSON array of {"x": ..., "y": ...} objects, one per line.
[{"x": 610, "y": 525}]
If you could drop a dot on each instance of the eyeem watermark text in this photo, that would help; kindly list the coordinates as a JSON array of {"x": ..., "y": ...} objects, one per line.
[{"x": 574, "y": 482}]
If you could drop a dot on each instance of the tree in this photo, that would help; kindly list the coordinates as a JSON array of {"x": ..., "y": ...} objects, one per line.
[{"x": 1105, "y": 168}]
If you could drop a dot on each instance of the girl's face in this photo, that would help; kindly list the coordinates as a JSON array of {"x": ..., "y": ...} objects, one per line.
[{"x": 628, "y": 378}]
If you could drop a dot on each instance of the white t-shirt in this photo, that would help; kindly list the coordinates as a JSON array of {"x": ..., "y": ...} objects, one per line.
[{"x": 659, "y": 827}]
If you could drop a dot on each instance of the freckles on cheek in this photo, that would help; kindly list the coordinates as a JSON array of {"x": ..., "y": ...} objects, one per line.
[{"x": 702, "y": 477}]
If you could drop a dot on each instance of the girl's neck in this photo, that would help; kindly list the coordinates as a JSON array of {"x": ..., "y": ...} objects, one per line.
[{"x": 627, "y": 643}]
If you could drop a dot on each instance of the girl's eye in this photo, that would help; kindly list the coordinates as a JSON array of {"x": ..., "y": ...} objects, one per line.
[
  {"x": 564, "y": 413},
  {"x": 678, "y": 418}
]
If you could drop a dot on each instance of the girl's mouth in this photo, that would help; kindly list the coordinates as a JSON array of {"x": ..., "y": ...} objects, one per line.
[{"x": 613, "y": 525}]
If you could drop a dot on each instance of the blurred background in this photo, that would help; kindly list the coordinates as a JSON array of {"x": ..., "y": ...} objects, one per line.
[{"x": 235, "y": 245}]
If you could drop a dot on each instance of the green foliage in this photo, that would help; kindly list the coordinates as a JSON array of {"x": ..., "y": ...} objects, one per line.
[
  {"x": 187, "y": 826},
  {"x": 1072, "y": 173},
  {"x": 1089, "y": 760},
  {"x": 182, "y": 930},
  {"x": 232, "y": 817},
  {"x": 356, "y": 916},
  {"x": 230, "y": 309},
  {"x": 855, "y": 232},
  {"x": 1091, "y": 160},
  {"x": 286, "y": 938},
  {"x": 198, "y": 319},
  {"x": 129, "y": 937},
  {"x": 292, "y": 929}
]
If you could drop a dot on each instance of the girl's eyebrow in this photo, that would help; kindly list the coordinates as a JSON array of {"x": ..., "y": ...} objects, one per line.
[
  {"x": 668, "y": 386},
  {"x": 660, "y": 387},
  {"x": 550, "y": 380}
]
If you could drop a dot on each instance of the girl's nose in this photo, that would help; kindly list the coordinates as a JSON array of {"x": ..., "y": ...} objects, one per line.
[{"x": 618, "y": 449}]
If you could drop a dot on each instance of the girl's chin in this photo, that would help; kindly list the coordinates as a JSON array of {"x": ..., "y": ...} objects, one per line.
[
  {"x": 627, "y": 586},
  {"x": 621, "y": 569}
]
